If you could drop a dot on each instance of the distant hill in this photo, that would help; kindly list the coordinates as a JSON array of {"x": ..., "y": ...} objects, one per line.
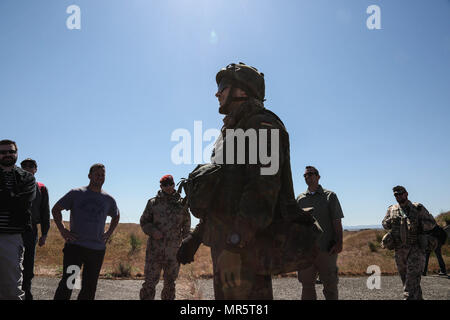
[
  {"x": 363, "y": 227},
  {"x": 440, "y": 219}
]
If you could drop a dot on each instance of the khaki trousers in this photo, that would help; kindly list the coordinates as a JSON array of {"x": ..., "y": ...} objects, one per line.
[{"x": 326, "y": 266}]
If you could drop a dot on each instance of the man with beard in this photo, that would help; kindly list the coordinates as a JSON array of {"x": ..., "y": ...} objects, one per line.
[
  {"x": 86, "y": 240},
  {"x": 328, "y": 212},
  {"x": 166, "y": 221},
  {"x": 250, "y": 197},
  {"x": 40, "y": 214},
  {"x": 407, "y": 223},
  {"x": 17, "y": 191}
]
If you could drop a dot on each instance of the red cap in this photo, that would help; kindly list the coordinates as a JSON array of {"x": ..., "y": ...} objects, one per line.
[{"x": 166, "y": 178}]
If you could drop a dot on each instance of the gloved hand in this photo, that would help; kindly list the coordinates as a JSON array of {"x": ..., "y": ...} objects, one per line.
[
  {"x": 188, "y": 248},
  {"x": 229, "y": 267}
]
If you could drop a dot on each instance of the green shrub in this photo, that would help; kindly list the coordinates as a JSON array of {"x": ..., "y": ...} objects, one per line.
[
  {"x": 135, "y": 243},
  {"x": 372, "y": 247},
  {"x": 379, "y": 237},
  {"x": 447, "y": 221},
  {"x": 122, "y": 270}
]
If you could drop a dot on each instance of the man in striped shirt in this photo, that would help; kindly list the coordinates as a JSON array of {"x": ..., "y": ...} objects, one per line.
[{"x": 17, "y": 191}]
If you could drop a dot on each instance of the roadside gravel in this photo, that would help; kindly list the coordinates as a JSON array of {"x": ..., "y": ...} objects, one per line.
[{"x": 350, "y": 288}]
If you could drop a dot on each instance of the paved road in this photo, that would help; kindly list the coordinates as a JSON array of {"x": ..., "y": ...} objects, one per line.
[{"x": 350, "y": 288}]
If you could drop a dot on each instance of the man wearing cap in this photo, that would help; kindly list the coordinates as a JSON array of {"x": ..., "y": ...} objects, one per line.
[
  {"x": 166, "y": 221},
  {"x": 408, "y": 221},
  {"x": 17, "y": 191},
  {"x": 250, "y": 199},
  {"x": 40, "y": 214},
  {"x": 328, "y": 212}
]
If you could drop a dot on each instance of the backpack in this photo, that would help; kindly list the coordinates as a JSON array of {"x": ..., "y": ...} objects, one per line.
[
  {"x": 439, "y": 234},
  {"x": 201, "y": 188}
]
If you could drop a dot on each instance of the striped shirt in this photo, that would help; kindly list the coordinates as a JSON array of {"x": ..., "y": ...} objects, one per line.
[{"x": 5, "y": 217}]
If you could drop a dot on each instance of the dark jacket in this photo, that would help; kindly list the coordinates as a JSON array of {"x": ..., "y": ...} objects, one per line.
[
  {"x": 40, "y": 209},
  {"x": 18, "y": 201}
]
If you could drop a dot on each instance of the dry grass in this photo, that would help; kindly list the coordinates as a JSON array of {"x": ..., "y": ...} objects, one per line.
[
  {"x": 442, "y": 218},
  {"x": 358, "y": 253},
  {"x": 126, "y": 254}
]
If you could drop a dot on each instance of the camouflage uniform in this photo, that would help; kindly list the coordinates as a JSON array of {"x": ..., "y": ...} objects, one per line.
[
  {"x": 407, "y": 226},
  {"x": 166, "y": 214},
  {"x": 249, "y": 203}
]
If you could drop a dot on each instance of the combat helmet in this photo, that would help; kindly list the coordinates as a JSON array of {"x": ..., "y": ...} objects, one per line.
[{"x": 244, "y": 77}]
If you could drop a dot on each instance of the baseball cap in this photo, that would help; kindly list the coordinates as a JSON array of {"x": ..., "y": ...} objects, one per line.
[
  {"x": 28, "y": 160},
  {"x": 166, "y": 180}
]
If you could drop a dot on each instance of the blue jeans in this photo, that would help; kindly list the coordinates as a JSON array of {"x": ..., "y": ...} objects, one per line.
[
  {"x": 29, "y": 242},
  {"x": 11, "y": 256}
]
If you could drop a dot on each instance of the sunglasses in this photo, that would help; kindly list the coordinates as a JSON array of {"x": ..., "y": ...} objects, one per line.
[
  {"x": 167, "y": 184},
  {"x": 8, "y": 152},
  {"x": 309, "y": 174},
  {"x": 398, "y": 194},
  {"x": 28, "y": 165}
]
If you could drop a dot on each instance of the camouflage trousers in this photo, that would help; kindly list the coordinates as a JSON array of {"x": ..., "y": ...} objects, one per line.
[
  {"x": 253, "y": 286},
  {"x": 160, "y": 257},
  {"x": 410, "y": 263}
]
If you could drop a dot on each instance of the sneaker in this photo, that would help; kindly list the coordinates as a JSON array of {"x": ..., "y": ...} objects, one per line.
[{"x": 442, "y": 274}]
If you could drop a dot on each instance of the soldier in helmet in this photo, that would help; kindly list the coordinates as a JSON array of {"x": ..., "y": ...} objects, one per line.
[
  {"x": 407, "y": 222},
  {"x": 166, "y": 221},
  {"x": 250, "y": 199}
]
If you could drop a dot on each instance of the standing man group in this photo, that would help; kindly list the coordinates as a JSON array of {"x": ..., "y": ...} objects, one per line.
[
  {"x": 40, "y": 214},
  {"x": 407, "y": 224},
  {"x": 166, "y": 221},
  {"x": 17, "y": 191},
  {"x": 328, "y": 212},
  {"x": 86, "y": 240}
]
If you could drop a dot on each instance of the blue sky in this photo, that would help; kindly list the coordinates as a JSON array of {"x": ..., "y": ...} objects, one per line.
[{"x": 368, "y": 108}]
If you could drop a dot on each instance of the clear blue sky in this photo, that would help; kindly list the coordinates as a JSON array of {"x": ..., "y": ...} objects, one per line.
[{"x": 369, "y": 108}]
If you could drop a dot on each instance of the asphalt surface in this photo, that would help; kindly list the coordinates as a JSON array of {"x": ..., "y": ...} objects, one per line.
[{"x": 350, "y": 288}]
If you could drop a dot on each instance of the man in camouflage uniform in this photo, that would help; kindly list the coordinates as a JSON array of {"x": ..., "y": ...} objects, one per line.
[
  {"x": 250, "y": 199},
  {"x": 166, "y": 221},
  {"x": 407, "y": 223}
]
